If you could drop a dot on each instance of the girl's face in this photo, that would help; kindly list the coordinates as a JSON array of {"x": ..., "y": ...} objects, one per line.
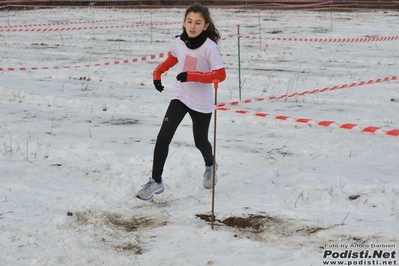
[{"x": 194, "y": 24}]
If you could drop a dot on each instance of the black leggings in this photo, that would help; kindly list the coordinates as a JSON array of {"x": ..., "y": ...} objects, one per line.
[{"x": 174, "y": 115}]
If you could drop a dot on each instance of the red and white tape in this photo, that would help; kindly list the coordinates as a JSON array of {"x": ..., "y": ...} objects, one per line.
[
  {"x": 337, "y": 40},
  {"x": 326, "y": 123},
  {"x": 306, "y": 92},
  {"x": 65, "y": 23},
  {"x": 319, "y": 40},
  {"x": 63, "y": 29},
  {"x": 116, "y": 62}
]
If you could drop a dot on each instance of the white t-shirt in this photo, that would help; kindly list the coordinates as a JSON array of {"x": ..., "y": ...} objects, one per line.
[{"x": 196, "y": 95}]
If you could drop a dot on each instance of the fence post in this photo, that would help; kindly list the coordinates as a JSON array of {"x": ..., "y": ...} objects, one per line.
[{"x": 239, "y": 62}]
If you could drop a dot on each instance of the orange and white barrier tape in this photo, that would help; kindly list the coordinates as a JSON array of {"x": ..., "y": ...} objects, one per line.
[
  {"x": 337, "y": 40},
  {"x": 325, "y": 123},
  {"x": 306, "y": 92},
  {"x": 319, "y": 40},
  {"x": 65, "y": 23},
  {"x": 63, "y": 29},
  {"x": 116, "y": 62}
]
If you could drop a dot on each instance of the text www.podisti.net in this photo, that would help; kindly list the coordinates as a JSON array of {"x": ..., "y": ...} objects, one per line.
[{"x": 362, "y": 257}]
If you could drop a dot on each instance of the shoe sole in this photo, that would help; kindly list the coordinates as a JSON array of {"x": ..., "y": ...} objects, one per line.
[
  {"x": 152, "y": 195},
  {"x": 205, "y": 182}
]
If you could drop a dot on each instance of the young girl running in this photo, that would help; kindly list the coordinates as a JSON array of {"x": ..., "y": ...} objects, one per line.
[{"x": 199, "y": 63}]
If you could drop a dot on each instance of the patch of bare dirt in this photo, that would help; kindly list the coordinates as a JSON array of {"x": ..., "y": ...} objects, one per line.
[
  {"x": 123, "y": 121},
  {"x": 113, "y": 229},
  {"x": 133, "y": 224},
  {"x": 136, "y": 249},
  {"x": 259, "y": 227}
]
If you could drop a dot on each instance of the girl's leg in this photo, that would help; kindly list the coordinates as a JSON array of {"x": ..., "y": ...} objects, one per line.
[
  {"x": 201, "y": 123},
  {"x": 174, "y": 115}
]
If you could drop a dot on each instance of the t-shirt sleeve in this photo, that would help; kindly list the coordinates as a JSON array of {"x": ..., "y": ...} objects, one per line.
[{"x": 214, "y": 58}]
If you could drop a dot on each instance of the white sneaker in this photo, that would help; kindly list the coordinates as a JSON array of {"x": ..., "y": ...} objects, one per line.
[
  {"x": 208, "y": 177},
  {"x": 149, "y": 189}
]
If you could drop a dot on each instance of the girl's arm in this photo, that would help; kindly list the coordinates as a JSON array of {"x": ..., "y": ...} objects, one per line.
[
  {"x": 203, "y": 77},
  {"x": 164, "y": 66}
]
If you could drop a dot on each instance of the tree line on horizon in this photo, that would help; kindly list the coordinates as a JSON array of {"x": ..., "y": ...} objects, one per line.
[{"x": 264, "y": 4}]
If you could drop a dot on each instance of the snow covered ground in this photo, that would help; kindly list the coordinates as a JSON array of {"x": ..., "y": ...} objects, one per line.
[{"x": 78, "y": 125}]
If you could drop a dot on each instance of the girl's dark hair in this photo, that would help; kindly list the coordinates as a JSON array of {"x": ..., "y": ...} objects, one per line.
[{"x": 213, "y": 33}]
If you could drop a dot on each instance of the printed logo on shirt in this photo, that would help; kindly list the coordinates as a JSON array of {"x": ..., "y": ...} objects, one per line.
[
  {"x": 166, "y": 119},
  {"x": 189, "y": 63}
]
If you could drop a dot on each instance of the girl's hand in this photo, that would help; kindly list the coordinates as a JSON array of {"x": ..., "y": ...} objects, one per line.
[
  {"x": 158, "y": 85},
  {"x": 182, "y": 77}
]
